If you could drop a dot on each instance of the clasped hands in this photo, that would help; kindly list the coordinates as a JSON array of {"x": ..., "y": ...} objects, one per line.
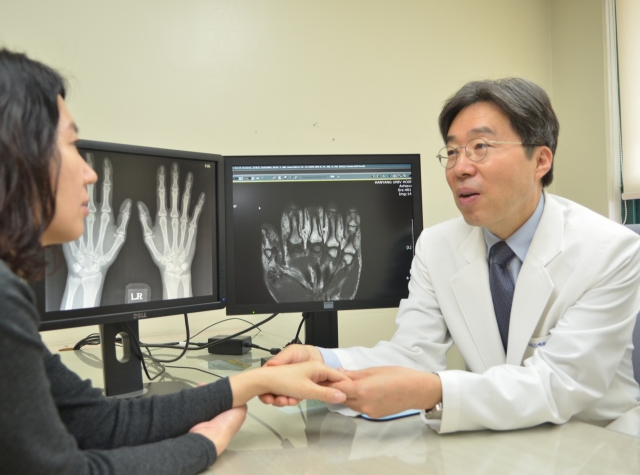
[
  {"x": 299, "y": 373},
  {"x": 376, "y": 392}
]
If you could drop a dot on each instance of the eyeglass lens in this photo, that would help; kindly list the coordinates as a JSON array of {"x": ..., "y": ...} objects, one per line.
[{"x": 476, "y": 150}]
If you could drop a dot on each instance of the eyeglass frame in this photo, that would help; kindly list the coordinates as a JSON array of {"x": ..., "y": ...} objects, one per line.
[{"x": 446, "y": 147}]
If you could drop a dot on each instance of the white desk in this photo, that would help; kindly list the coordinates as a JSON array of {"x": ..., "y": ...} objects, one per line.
[{"x": 315, "y": 441}]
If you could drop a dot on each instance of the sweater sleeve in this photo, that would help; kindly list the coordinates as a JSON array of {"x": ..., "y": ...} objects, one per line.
[
  {"x": 98, "y": 422},
  {"x": 62, "y": 425}
]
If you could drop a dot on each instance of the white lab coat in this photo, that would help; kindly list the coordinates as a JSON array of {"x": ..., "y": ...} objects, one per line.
[{"x": 573, "y": 312}]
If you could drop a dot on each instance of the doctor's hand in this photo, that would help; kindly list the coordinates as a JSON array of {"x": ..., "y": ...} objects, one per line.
[{"x": 386, "y": 390}]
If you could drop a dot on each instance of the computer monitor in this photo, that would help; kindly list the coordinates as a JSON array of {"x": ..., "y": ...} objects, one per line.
[
  {"x": 153, "y": 246},
  {"x": 318, "y": 234}
]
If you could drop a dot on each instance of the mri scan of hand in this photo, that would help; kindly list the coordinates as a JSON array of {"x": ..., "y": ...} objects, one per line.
[
  {"x": 315, "y": 256},
  {"x": 90, "y": 256},
  {"x": 172, "y": 240}
]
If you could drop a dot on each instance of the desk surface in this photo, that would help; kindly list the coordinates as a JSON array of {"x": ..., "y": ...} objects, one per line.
[{"x": 308, "y": 439}]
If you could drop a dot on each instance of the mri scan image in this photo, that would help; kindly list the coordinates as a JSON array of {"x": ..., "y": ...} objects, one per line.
[{"x": 314, "y": 254}]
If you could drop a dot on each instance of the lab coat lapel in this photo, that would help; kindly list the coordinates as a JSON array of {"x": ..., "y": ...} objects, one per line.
[
  {"x": 534, "y": 285},
  {"x": 471, "y": 289}
]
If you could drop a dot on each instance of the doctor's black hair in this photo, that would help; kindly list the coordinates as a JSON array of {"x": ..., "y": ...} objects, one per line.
[
  {"x": 29, "y": 159},
  {"x": 526, "y": 104}
]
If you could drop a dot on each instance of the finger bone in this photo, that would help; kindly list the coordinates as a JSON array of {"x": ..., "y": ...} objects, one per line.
[
  {"x": 175, "y": 190},
  {"x": 104, "y": 221},
  {"x": 162, "y": 207},
  {"x": 106, "y": 187}
]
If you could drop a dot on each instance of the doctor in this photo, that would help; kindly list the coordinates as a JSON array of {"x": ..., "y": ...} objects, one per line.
[{"x": 539, "y": 294}]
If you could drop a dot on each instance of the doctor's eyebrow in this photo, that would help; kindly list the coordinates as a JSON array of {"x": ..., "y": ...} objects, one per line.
[{"x": 476, "y": 131}]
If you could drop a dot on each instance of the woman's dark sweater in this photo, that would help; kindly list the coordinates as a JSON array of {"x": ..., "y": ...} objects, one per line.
[{"x": 52, "y": 422}]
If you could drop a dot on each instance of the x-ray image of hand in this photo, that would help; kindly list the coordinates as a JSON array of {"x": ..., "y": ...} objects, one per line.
[
  {"x": 172, "y": 240},
  {"x": 315, "y": 256},
  {"x": 90, "y": 256}
]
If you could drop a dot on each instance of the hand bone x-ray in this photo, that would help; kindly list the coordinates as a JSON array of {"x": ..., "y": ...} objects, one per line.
[
  {"x": 172, "y": 240},
  {"x": 315, "y": 255},
  {"x": 90, "y": 256}
]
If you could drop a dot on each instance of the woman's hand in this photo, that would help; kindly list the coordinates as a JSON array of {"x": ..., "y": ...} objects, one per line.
[
  {"x": 221, "y": 428},
  {"x": 288, "y": 384}
]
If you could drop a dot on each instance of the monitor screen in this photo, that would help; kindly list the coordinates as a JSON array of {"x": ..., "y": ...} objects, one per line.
[
  {"x": 153, "y": 242},
  {"x": 320, "y": 233}
]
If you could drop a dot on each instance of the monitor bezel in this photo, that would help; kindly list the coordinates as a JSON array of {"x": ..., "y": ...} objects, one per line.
[
  {"x": 130, "y": 312},
  {"x": 234, "y": 308}
]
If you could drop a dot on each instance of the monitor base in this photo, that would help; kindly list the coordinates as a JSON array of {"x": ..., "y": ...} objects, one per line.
[{"x": 123, "y": 374}]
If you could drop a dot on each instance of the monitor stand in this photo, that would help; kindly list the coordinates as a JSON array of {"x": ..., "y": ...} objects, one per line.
[
  {"x": 321, "y": 329},
  {"x": 123, "y": 376}
]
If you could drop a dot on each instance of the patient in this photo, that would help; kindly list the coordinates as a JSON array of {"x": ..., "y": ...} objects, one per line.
[{"x": 52, "y": 421}]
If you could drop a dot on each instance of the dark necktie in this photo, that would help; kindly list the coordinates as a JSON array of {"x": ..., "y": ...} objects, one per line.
[{"x": 501, "y": 287}]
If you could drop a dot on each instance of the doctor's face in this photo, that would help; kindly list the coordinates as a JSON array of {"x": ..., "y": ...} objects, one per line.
[{"x": 501, "y": 191}]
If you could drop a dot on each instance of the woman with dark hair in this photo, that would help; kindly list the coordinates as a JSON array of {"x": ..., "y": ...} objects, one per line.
[{"x": 52, "y": 421}]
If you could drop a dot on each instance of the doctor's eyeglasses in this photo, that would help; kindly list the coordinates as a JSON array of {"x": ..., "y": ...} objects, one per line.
[{"x": 476, "y": 150}]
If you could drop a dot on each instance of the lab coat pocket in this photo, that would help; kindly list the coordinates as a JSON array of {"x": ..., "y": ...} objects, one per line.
[{"x": 534, "y": 344}]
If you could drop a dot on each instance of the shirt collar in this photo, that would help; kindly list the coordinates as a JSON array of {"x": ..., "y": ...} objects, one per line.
[{"x": 519, "y": 241}]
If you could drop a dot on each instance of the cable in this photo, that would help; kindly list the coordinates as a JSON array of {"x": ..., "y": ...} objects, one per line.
[
  {"x": 141, "y": 356},
  {"x": 150, "y": 356},
  {"x": 226, "y": 320},
  {"x": 221, "y": 340},
  {"x": 95, "y": 340},
  {"x": 92, "y": 339},
  {"x": 273, "y": 351},
  {"x": 296, "y": 340},
  {"x": 175, "y": 345},
  {"x": 153, "y": 358},
  {"x": 195, "y": 346},
  {"x": 144, "y": 364}
]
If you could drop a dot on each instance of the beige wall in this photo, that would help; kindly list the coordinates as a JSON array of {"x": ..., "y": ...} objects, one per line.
[
  {"x": 579, "y": 77},
  {"x": 302, "y": 76}
]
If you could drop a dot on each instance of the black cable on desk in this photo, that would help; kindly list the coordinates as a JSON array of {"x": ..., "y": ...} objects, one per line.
[
  {"x": 153, "y": 358},
  {"x": 174, "y": 345},
  {"x": 188, "y": 345},
  {"x": 227, "y": 338},
  {"x": 92, "y": 339},
  {"x": 273, "y": 351},
  {"x": 226, "y": 320},
  {"x": 296, "y": 340}
]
